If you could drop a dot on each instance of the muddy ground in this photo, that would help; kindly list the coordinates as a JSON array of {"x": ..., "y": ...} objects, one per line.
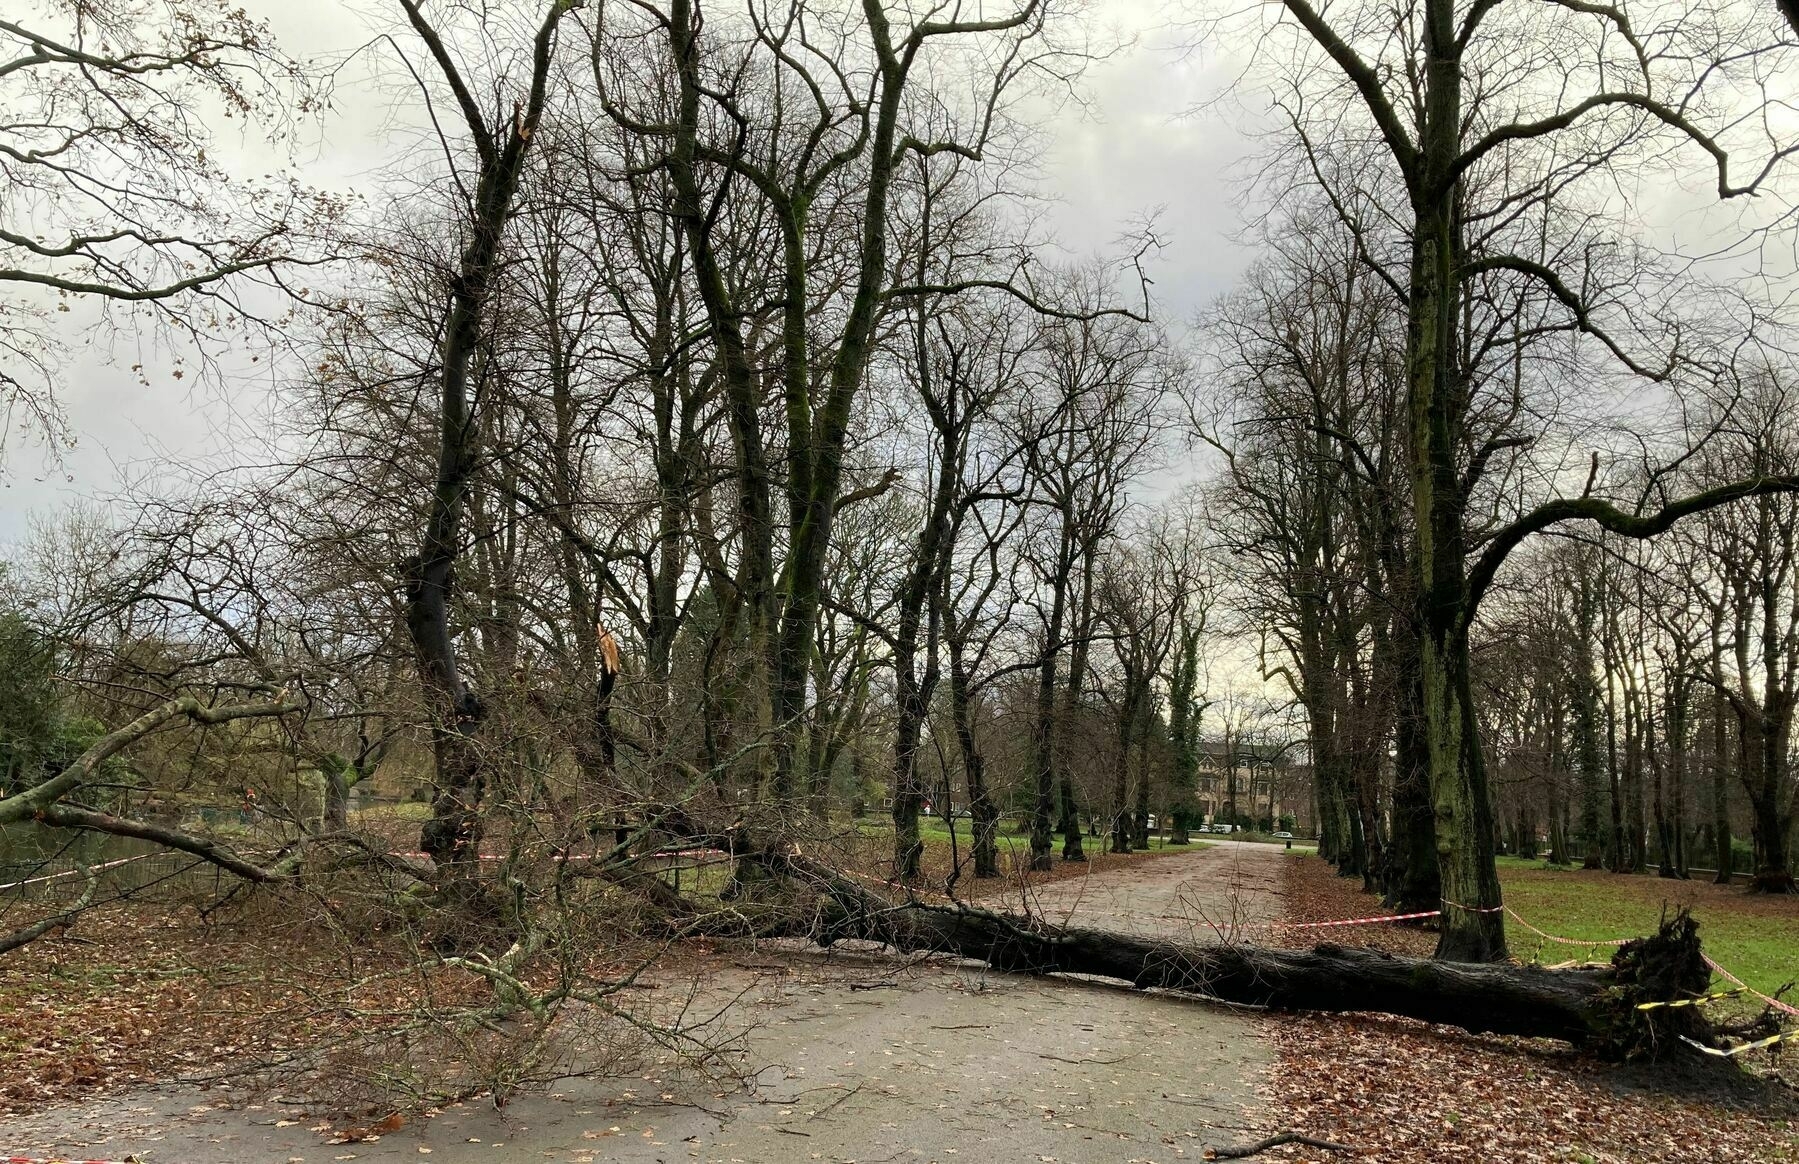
[{"x": 842, "y": 1058}]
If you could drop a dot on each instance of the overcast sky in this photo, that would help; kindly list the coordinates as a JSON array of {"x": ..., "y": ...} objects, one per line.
[{"x": 1135, "y": 149}]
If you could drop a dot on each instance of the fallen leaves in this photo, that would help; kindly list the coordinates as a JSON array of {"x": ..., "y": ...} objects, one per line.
[
  {"x": 1401, "y": 1091},
  {"x": 148, "y": 995}
]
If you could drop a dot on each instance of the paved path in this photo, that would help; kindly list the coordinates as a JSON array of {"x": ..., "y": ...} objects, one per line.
[
  {"x": 1220, "y": 892},
  {"x": 938, "y": 1062}
]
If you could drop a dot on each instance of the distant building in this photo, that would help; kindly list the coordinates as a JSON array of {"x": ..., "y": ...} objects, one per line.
[{"x": 1268, "y": 784}]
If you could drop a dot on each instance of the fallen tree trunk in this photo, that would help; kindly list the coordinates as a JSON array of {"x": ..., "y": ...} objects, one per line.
[{"x": 1596, "y": 1008}]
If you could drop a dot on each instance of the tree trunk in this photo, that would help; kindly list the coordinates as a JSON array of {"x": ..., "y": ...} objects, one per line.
[
  {"x": 1183, "y": 732},
  {"x": 1617, "y": 858},
  {"x": 739, "y": 376},
  {"x": 1364, "y": 768},
  {"x": 337, "y": 795},
  {"x": 1462, "y": 807},
  {"x": 1773, "y": 871},
  {"x": 1121, "y": 822},
  {"x": 1070, "y": 823},
  {"x": 1670, "y": 778},
  {"x": 1070, "y": 820},
  {"x": 1414, "y": 881},
  {"x": 1720, "y": 789},
  {"x": 452, "y": 835},
  {"x": 1586, "y": 726},
  {"x": 1637, "y": 743},
  {"x": 981, "y": 809},
  {"x": 1140, "y": 819},
  {"x": 908, "y": 848},
  {"x": 1594, "y": 1008},
  {"x": 1043, "y": 727},
  {"x": 1770, "y": 800}
]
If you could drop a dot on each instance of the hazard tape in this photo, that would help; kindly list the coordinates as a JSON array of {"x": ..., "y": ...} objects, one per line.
[
  {"x": 1360, "y": 921},
  {"x": 1732, "y": 1052},
  {"x": 1767, "y": 998},
  {"x": 892, "y": 885},
  {"x": 1473, "y": 908},
  {"x": 1741, "y": 987},
  {"x": 1547, "y": 936},
  {"x": 1699, "y": 1001},
  {"x": 417, "y": 856},
  {"x": 1250, "y": 927},
  {"x": 72, "y": 873}
]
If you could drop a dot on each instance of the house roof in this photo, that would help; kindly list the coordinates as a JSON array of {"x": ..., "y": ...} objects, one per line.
[{"x": 1247, "y": 754}]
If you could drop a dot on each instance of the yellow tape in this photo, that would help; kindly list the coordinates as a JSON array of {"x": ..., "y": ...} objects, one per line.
[
  {"x": 1703, "y": 998},
  {"x": 1730, "y": 1052}
]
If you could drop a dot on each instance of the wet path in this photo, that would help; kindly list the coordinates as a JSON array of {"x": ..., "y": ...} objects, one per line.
[{"x": 858, "y": 1061}]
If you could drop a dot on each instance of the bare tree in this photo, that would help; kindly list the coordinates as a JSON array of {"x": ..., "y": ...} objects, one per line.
[
  {"x": 1473, "y": 138},
  {"x": 112, "y": 199},
  {"x": 499, "y": 138},
  {"x": 1085, "y": 431}
]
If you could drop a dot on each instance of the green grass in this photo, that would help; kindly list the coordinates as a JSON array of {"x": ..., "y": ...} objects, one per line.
[{"x": 1756, "y": 938}]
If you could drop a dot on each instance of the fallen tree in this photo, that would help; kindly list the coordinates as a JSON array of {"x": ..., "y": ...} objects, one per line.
[
  {"x": 1596, "y": 1008},
  {"x": 777, "y": 892}
]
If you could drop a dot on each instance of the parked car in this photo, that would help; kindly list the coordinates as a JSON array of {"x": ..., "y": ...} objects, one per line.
[{"x": 1283, "y": 836}]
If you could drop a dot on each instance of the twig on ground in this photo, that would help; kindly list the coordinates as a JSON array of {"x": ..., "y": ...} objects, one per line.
[
  {"x": 1099, "y": 1062},
  {"x": 1239, "y": 1153},
  {"x": 828, "y": 1108}
]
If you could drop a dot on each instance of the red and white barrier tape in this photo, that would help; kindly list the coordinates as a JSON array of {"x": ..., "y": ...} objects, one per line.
[
  {"x": 1473, "y": 908},
  {"x": 1513, "y": 914},
  {"x": 1715, "y": 967},
  {"x": 1160, "y": 919},
  {"x": 417, "y": 856},
  {"x": 70, "y": 873},
  {"x": 1360, "y": 921},
  {"x": 1769, "y": 999}
]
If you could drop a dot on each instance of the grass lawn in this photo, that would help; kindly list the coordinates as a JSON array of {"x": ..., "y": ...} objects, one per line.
[{"x": 1755, "y": 936}]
